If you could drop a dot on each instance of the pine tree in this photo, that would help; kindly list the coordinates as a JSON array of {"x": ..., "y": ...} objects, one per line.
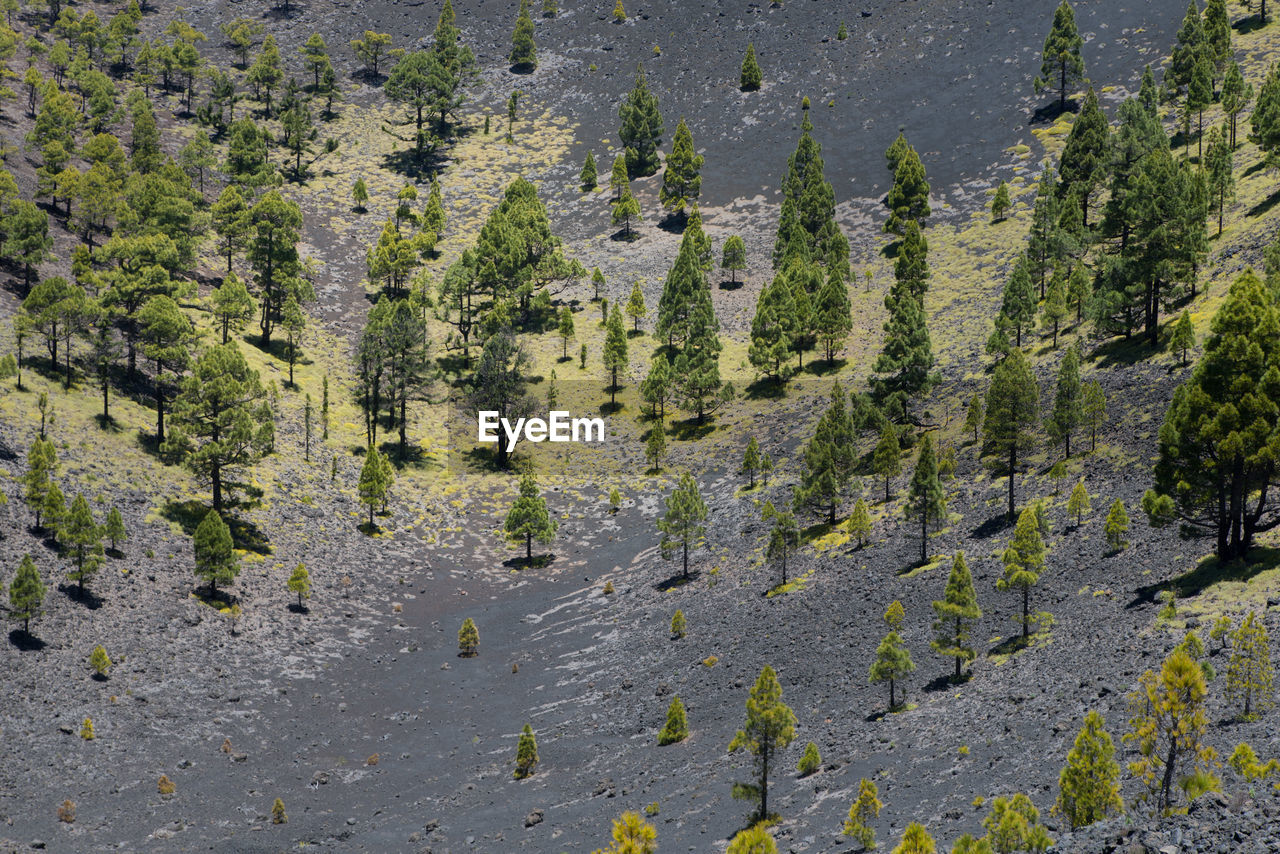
[
  {"x": 861, "y": 813},
  {"x": 973, "y": 416},
  {"x": 784, "y": 535},
  {"x": 1061, "y": 65},
  {"x": 1089, "y": 784},
  {"x": 1067, "y": 411},
  {"x": 641, "y": 130},
  {"x": 618, "y": 181},
  {"x": 1202, "y": 457},
  {"x": 682, "y": 523},
  {"x": 42, "y": 467},
  {"x": 1078, "y": 503},
  {"x": 1023, "y": 563},
  {"x": 810, "y": 760},
  {"x": 1217, "y": 31},
  {"x": 1168, "y": 723},
  {"x": 1086, "y": 155},
  {"x": 753, "y": 840},
  {"x": 751, "y": 462},
  {"x": 636, "y": 308},
  {"x": 526, "y": 753},
  {"x": 1235, "y": 95},
  {"x": 468, "y": 638},
  {"x": 528, "y": 517},
  {"x": 681, "y": 183},
  {"x": 619, "y": 14},
  {"x": 299, "y": 583},
  {"x": 1250, "y": 674},
  {"x": 655, "y": 447},
  {"x": 892, "y": 664},
  {"x": 114, "y": 530},
  {"x": 734, "y": 258},
  {"x": 215, "y": 558},
  {"x": 1265, "y": 120},
  {"x": 908, "y": 198},
  {"x": 904, "y": 368},
  {"x": 678, "y": 624},
  {"x": 749, "y": 80},
  {"x": 886, "y": 460},
  {"x": 1117, "y": 525},
  {"x": 1054, "y": 310},
  {"x": 375, "y": 481},
  {"x": 833, "y": 315},
  {"x": 1018, "y": 303},
  {"x": 860, "y": 522},
  {"x": 614, "y": 352},
  {"x": 774, "y": 329},
  {"x": 1079, "y": 290},
  {"x": 676, "y": 728},
  {"x": 1014, "y": 825},
  {"x": 656, "y": 388},
  {"x": 828, "y": 458},
  {"x": 1011, "y": 414},
  {"x": 54, "y": 510},
  {"x": 83, "y": 536},
  {"x": 100, "y": 662},
  {"x": 26, "y": 594},
  {"x": 769, "y": 727},
  {"x": 1000, "y": 203},
  {"x": 624, "y": 210},
  {"x": 1220, "y": 168},
  {"x": 524, "y": 53},
  {"x": 957, "y": 611},
  {"x": 915, "y": 840},
  {"x": 926, "y": 500}
]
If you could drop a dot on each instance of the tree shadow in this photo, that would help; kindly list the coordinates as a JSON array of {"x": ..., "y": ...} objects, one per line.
[
  {"x": 1208, "y": 572},
  {"x": 823, "y": 367},
  {"x": 190, "y": 513},
  {"x": 283, "y": 11},
  {"x": 1011, "y": 645},
  {"x": 541, "y": 561},
  {"x": 1049, "y": 113},
  {"x": 295, "y": 608},
  {"x": 767, "y": 388},
  {"x": 610, "y": 407},
  {"x": 622, "y": 235},
  {"x": 100, "y": 678},
  {"x": 677, "y": 581},
  {"x": 944, "y": 683},
  {"x": 522, "y": 68},
  {"x": 1249, "y": 24},
  {"x": 1265, "y": 205},
  {"x": 24, "y": 641},
  {"x": 992, "y": 527},
  {"x": 731, "y": 285},
  {"x": 674, "y": 223},
  {"x": 85, "y": 597},
  {"x": 691, "y": 429},
  {"x": 1122, "y": 352}
]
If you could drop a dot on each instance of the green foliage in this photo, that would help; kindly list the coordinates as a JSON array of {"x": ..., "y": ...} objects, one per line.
[
  {"x": 376, "y": 479},
  {"x": 957, "y": 612},
  {"x": 631, "y": 833},
  {"x": 1061, "y": 65},
  {"x": 26, "y": 594},
  {"x": 678, "y": 624},
  {"x": 681, "y": 183},
  {"x": 114, "y": 530},
  {"x": 99, "y": 661},
  {"x": 1117, "y": 525},
  {"x": 810, "y": 761},
  {"x": 860, "y": 522},
  {"x": 1168, "y": 724},
  {"x": 83, "y": 537},
  {"x": 915, "y": 840},
  {"x": 908, "y": 198},
  {"x": 828, "y": 458},
  {"x": 42, "y": 467},
  {"x": 769, "y": 727},
  {"x": 926, "y": 499},
  {"x": 751, "y": 462},
  {"x": 526, "y": 753},
  {"x": 1089, "y": 784},
  {"x": 676, "y": 728},
  {"x": 1078, "y": 503},
  {"x": 784, "y": 535},
  {"x": 682, "y": 524},
  {"x": 215, "y": 558},
  {"x": 641, "y": 130},
  {"x": 278, "y": 815},
  {"x": 468, "y": 638},
  {"x": 1245, "y": 763},
  {"x": 1218, "y": 435},
  {"x": 862, "y": 812},
  {"x": 733, "y": 258},
  {"x": 1086, "y": 154},
  {"x": 1184, "y": 337},
  {"x": 753, "y": 840},
  {"x": 625, "y": 209},
  {"x": 614, "y": 353},
  {"x": 299, "y": 583},
  {"x": 1250, "y": 674},
  {"x": 528, "y": 517},
  {"x": 1000, "y": 203},
  {"x": 904, "y": 368},
  {"x": 886, "y": 459},
  {"x": 1014, "y": 825},
  {"x": 1023, "y": 562},
  {"x": 892, "y": 664},
  {"x": 655, "y": 447},
  {"x": 749, "y": 80},
  {"x": 523, "y": 55}
]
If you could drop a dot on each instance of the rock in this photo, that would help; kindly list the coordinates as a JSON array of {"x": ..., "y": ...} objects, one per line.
[
  {"x": 37, "y": 844},
  {"x": 534, "y": 817}
]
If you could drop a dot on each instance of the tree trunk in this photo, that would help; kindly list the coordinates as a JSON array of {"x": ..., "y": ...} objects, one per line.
[
  {"x": 1013, "y": 463},
  {"x": 686, "y": 557},
  {"x": 1026, "y": 615},
  {"x": 528, "y": 548}
]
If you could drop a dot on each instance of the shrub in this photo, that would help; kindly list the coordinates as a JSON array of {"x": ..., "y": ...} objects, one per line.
[
  {"x": 67, "y": 811},
  {"x": 678, "y": 625},
  {"x": 278, "y": 815},
  {"x": 810, "y": 762},
  {"x": 86, "y": 730},
  {"x": 677, "y": 725},
  {"x": 468, "y": 638},
  {"x": 165, "y": 786}
]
